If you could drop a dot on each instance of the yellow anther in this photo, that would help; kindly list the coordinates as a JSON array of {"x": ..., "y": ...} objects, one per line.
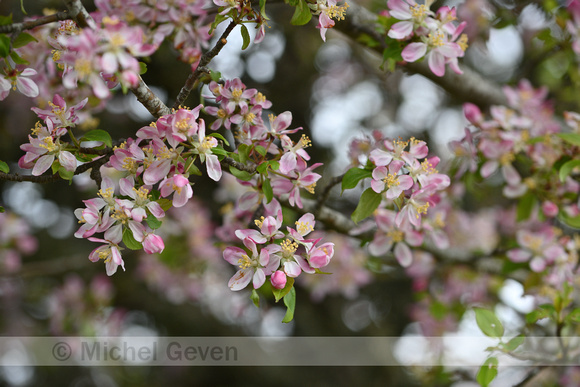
[
  {"x": 303, "y": 228},
  {"x": 305, "y": 141},
  {"x": 244, "y": 262},
  {"x": 221, "y": 113},
  {"x": 259, "y": 98},
  {"x": 106, "y": 194},
  {"x": 249, "y": 117},
  {"x": 530, "y": 183},
  {"x": 396, "y": 235},
  {"x": 84, "y": 67},
  {"x": 129, "y": 164},
  {"x": 436, "y": 39},
  {"x": 422, "y": 209},
  {"x": 142, "y": 193},
  {"x": 48, "y": 144},
  {"x": 259, "y": 222},
  {"x": 310, "y": 188},
  {"x": 37, "y": 128},
  {"x": 336, "y": 11},
  {"x": 507, "y": 158},
  {"x": 418, "y": 11},
  {"x": 391, "y": 180},
  {"x": 462, "y": 42},
  {"x": 237, "y": 93},
  {"x": 182, "y": 125},
  {"x": 289, "y": 247}
]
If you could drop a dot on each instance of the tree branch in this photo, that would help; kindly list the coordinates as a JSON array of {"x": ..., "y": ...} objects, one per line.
[
  {"x": 193, "y": 78},
  {"x": 79, "y": 14},
  {"x": 148, "y": 99},
  {"x": 27, "y": 25},
  {"x": 470, "y": 86}
]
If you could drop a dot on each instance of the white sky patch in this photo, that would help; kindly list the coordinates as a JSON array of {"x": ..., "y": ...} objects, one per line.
[{"x": 505, "y": 46}]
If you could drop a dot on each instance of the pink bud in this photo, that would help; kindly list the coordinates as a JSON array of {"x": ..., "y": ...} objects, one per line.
[
  {"x": 549, "y": 209},
  {"x": 278, "y": 279},
  {"x": 472, "y": 113}
]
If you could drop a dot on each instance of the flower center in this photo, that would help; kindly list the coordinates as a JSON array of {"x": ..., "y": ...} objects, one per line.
[{"x": 244, "y": 262}]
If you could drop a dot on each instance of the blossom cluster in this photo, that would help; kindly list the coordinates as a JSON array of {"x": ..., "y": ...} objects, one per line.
[
  {"x": 45, "y": 148},
  {"x": 432, "y": 34},
  {"x": 271, "y": 252},
  {"x": 287, "y": 171},
  {"x": 187, "y": 23},
  {"x": 101, "y": 57},
  {"x": 525, "y": 143},
  {"x": 524, "y": 130},
  {"x": 15, "y": 241},
  {"x": 409, "y": 186}
]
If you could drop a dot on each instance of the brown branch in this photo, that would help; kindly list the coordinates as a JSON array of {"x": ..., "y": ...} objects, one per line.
[
  {"x": 30, "y": 24},
  {"x": 79, "y": 14},
  {"x": 326, "y": 192},
  {"x": 43, "y": 179},
  {"x": 242, "y": 167},
  {"x": 470, "y": 86},
  {"x": 193, "y": 78},
  {"x": 148, "y": 99}
]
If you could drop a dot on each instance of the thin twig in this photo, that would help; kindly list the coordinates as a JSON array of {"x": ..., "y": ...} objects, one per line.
[
  {"x": 470, "y": 86},
  {"x": 30, "y": 24},
  {"x": 193, "y": 78},
  {"x": 323, "y": 196}
]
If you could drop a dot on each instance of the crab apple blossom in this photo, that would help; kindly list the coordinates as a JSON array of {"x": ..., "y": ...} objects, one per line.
[{"x": 263, "y": 213}]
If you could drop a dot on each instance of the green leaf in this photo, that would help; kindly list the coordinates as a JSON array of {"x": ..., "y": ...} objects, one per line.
[
  {"x": 573, "y": 316},
  {"x": 261, "y": 150},
  {"x": 218, "y": 150},
  {"x": 302, "y": 14},
  {"x": 290, "y": 302},
  {"x": 572, "y": 138},
  {"x": 525, "y": 206},
  {"x": 215, "y": 76},
  {"x": 368, "y": 203},
  {"x": 353, "y": 176},
  {"x": 4, "y": 20},
  {"x": 514, "y": 343},
  {"x": 255, "y": 297},
  {"x": 4, "y": 167},
  {"x": 4, "y": 46},
  {"x": 263, "y": 9},
  {"x": 142, "y": 68},
  {"x": 194, "y": 170},
  {"x": 573, "y": 222},
  {"x": 153, "y": 222},
  {"x": 22, "y": 7},
  {"x": 217, "y": 135},
  {"x": 65, "y": 174},
  {"x": 543, "y": 311},
  {"x": 2, "y": 209},
  {"x": 244, "y": 152},
  {"x": 165, "y": 204},
  {"x": 18, "y": 59},
  {"x": 487, "y": 372},
  {"x": 267, "y": 189},
  {"x": 242, "y": 175},
  {"x": 280, "y": 293},
  {"x": 217, "y": 21},
  {"x": 567, "y": 168},
  {"x": 98, "y": 135},
  {"x": 130, "y": 241},
  {"x": 245, "y": 37},
  {"x": 488, "y": 322},
  {"x": 23, "y": 39}
]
